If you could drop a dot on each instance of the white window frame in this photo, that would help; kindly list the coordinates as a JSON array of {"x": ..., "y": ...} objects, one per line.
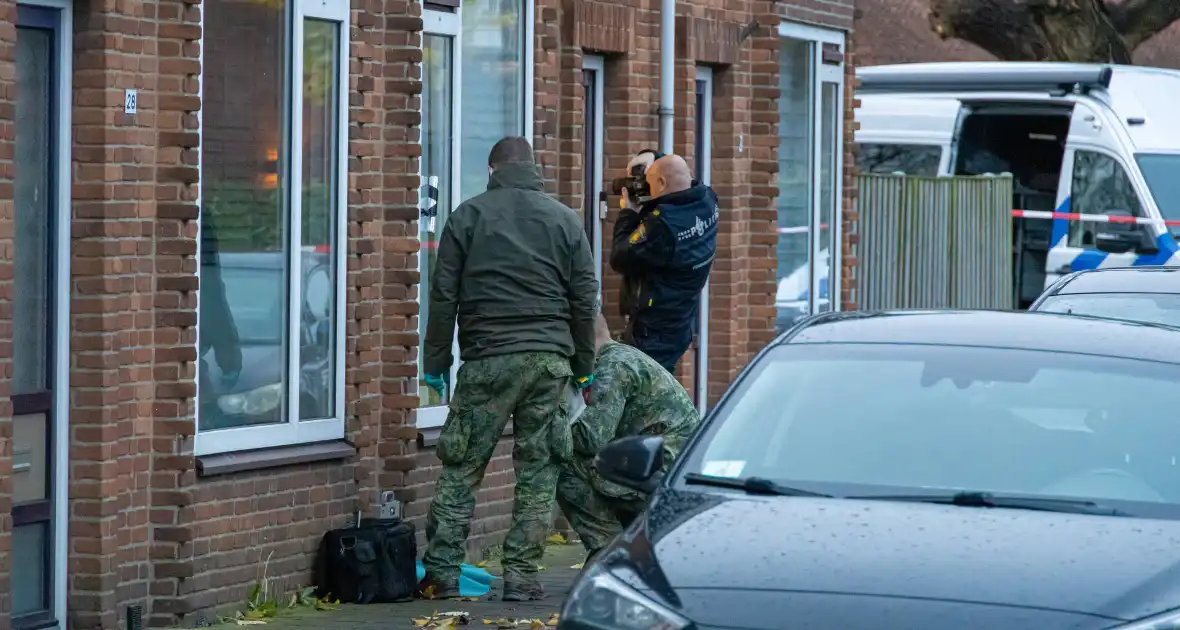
[
  {"x": 598, "y": 64},
  {"x": 822, "y": 73},
  {"x": 450, "y": 23},
  {"x": 293, "y": 430},
  {"x": 704, "y": 173},
  {"x": 63, "y": 154}
]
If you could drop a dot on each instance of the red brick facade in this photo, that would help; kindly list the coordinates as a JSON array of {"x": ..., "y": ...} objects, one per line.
[{"x": 147, "y": 527}]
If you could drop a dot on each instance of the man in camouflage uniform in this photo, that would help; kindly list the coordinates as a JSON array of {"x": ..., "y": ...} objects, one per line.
[
  {"x": 514, "y": 265},
  {"x": 631, "y": 395}
]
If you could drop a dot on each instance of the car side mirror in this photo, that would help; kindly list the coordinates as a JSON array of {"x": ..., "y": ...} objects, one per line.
[
  {"x": 634, "y": 462},
  {"x": 1120, "y": 237}
]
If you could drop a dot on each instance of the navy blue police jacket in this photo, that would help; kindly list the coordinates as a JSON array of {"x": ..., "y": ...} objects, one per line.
[{"x": 664, "y": 252}]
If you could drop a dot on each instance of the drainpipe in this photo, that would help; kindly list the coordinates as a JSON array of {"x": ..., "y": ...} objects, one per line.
[{"x": 667, "y": 72}]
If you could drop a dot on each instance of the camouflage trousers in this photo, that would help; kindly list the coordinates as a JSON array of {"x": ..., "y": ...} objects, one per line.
[
  {"x": 595, "y": 508},
  {"x": 531, "y": 388}
]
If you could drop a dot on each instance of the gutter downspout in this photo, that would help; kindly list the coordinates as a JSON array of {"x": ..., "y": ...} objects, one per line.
[{"x": 667, "y": 109}]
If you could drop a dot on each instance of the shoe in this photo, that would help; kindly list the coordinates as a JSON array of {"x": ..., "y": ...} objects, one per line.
[
  {"x": 430, "y": 588},
  {"x": 522, "y": 592}
]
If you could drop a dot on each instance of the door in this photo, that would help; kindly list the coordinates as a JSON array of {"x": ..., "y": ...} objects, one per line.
[
  {"x": 39, "y": 306},
  {"x": 593, "y": 199},
  {"x": 703, "y": 151},
  {"x": 825, "y": 280},
  {"x": 439, "y": 174}
]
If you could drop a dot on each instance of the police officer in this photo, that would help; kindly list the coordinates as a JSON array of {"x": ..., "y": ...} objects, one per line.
[
  {"x": 664, "y": 249},
  {"x": 514, "y": 265},
  {"x": 631, "y": 395}
]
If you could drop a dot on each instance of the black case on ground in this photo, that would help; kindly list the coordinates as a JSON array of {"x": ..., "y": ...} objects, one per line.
[{"x": 369, "y": 564}]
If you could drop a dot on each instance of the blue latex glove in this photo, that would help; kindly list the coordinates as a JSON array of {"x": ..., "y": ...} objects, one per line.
[
  {"x": 584, "y": 384},
  {"x": 437, "y": 382}
]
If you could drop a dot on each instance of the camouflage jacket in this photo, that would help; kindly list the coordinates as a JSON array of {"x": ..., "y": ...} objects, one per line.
[{"x": 633, "y": 395}]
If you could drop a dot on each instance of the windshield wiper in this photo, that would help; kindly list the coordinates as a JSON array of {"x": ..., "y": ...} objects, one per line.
[
  {"x": 751, "y": 485},
  {"x": 989, "y": 500}
]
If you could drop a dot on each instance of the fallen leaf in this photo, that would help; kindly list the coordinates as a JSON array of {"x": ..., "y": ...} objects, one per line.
[
  {"x": 482, "y": 564},
  {"x": 536, "y": 624},
  {"x": 556, "y": 539},
  {"x": 465, "y": 599},
  {"x": 447, "y": 624},
  {"x": 552, "y": 623},
  {"x": 578, "y": 565},
  {"x": 422, "y": 622},
  {"x": 540, "y": 567},
  {"x": 428, "y": 592}
]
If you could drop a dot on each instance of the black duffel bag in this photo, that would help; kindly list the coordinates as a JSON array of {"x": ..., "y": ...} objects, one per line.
[{"x": 369, "y": 564}]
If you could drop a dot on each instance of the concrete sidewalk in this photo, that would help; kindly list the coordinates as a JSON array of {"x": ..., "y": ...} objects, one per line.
[{"x": 557, "y": 577}]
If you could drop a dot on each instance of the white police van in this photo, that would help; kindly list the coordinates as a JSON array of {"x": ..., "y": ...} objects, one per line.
[{"x": 1077, "y": 139}]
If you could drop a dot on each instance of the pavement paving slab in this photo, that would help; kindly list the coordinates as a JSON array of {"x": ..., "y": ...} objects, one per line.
[{"x": 557, "y": 577}]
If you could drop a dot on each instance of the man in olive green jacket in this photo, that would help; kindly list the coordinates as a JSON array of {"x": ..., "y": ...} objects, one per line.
[{"x": 516, "y": 267}]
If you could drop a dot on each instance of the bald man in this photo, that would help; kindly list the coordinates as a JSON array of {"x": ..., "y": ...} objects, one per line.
[{"x": 664, "y": 247}]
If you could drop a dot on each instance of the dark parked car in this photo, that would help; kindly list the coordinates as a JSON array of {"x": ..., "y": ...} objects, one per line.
[
  {"x": 255, "y": 285},
  {"x": 913, "y": 471},
  {"x": 1141, "y": 294}
]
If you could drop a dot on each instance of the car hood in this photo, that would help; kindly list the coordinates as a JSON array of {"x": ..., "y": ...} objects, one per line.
[{"x": 691, "y": 545}]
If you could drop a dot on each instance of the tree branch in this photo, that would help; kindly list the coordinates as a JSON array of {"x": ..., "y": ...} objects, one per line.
[
  {"x": 1139, "y": 20},
  {"x": 1034, "y": 30}
]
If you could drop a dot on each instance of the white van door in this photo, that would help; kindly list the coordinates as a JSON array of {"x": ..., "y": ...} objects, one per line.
[{"x": 1097, "y": 179}]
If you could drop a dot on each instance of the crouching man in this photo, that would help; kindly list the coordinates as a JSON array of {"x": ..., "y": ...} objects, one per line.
[{"x": 631, "y": 394}]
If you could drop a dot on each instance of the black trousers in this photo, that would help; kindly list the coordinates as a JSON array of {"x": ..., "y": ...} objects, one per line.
[{"x": 665, "y": 344}]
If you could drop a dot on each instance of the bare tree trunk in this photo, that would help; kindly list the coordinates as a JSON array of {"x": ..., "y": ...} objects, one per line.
[{"x": 1054, "y": 30}]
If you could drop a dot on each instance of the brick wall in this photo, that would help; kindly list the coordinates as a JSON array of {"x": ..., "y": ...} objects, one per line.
[
  {"x": 745, "y": 79},
  {"x": 145, "y": 528}
]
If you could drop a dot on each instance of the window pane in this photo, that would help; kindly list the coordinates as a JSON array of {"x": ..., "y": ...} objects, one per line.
[
  {"x": 34, "y": 197},
  {"x": 493, "y": 85},
  {"x": 30, "y": 458},
  {"x": 1100, "y": 185},
  {"x": 885, "y": 159},
  {"x": 321, "y": 98},
  {"x": 828, "y": 195},
  {"x": 29, "y": 560},
  {"x": 437, "y": 73},
  {"x": 243, "y": 307},
  {"x": 794, "y": 180}
]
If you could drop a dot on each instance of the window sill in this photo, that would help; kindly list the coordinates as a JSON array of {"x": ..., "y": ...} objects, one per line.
[
  {"x": 263, "y": 458},
  {"x": 428, "y": 436}
]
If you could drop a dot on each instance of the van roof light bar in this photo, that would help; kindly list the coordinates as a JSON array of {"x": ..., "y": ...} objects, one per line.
[{"x": 1000, "y": 78}]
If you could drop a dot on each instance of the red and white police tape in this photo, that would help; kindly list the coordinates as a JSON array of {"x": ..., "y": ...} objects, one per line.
[{"x": 1089, "y": 218}]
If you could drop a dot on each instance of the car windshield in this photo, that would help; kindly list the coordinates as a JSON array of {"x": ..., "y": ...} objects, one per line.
[
  {"x": 1152, "y": 308},
  {"x": 1159, "y": 169},
  {"x": 255, "y": 298},
  {"x": 861, "y": 419}
]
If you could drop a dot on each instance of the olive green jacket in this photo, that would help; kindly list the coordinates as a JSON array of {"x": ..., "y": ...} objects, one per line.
[{"x": 514, "y": 265}]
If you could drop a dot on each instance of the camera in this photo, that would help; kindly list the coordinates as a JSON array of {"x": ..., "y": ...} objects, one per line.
[{"x": 635, "y": 184}]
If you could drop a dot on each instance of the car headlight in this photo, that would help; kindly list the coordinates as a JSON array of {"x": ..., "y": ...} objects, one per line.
[
  {"x": 254, "y": 402},
  {"x": 1166, "y": 621},
  {"x": 601, "y": 600}
]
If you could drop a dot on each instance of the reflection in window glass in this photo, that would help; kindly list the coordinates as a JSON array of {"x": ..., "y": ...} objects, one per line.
[
  {"x": 828, "y": 193},
  {"x": 885, "y": 159},
  {"x": 33, "y": 198},
  {"x": 493, "y": 85},
  {"x": 321, "y": 98},
  {"x": 794, "y": 179},
  {"x": 436, "y": 169},
  {"x": 1152, "y": 308},
  {"x": 954, "y": 417},
  {"x": 1159, "y": 169},
  {"x": 30, "y": 550},
  {"x": 242, "y": 372},
  {"x": 1100, "y": 185}
]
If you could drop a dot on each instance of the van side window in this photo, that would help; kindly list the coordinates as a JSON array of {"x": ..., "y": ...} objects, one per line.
[
  {"x": 886, "y": 159},
  {"x": 1100, "y": 185}
]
